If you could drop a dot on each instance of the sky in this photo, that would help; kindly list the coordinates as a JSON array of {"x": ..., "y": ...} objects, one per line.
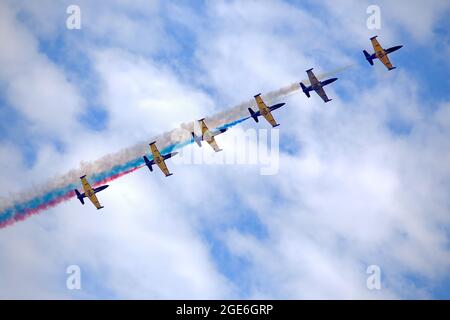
[{"x": 360, "y": 181}]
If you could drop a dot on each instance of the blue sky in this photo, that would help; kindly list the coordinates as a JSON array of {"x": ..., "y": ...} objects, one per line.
[{"x": 363, "y": 179}]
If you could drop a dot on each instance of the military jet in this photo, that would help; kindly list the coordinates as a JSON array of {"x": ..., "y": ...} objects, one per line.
[
  {"x": 316, "y": 85},
  {"x": 265, "y": 111},
  {"x": 158, "y": 159},
  {"x": 207, "y": 135},
  {"x": 380, "y": 53},
  {"x": 89, "y": 192}
]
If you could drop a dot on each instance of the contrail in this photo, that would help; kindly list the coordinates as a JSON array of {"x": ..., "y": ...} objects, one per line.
[{"x": 18, "y": 207}]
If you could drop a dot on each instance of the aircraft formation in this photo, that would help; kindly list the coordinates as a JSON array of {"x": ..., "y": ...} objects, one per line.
[{"x": 263, "y": 110}]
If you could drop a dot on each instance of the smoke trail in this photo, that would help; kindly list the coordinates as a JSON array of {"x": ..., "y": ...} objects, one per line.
[
  {"x": 48, "y": 199},
  {"x": 22, "y": 205}
]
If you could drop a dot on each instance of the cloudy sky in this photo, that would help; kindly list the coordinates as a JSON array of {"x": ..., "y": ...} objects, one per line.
[{"x": 363, "y": 180}]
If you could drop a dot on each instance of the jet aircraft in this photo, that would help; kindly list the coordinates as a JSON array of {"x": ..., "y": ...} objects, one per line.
[
  {"x": 89, "y": 192},
  {"x": 158, "y": 159},
  {"x": 265, "y": 111},
  {"x": 316, "y": 85},
  {"x": 207, "y": 135},
  {"x": 380, "y": 53}
]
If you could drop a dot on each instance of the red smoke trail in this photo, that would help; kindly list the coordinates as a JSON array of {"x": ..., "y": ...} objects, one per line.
[
  {"x": 115, "y": 176},
  {"x": 29, "y": 212},
  {"x": 52, "y": 203}
]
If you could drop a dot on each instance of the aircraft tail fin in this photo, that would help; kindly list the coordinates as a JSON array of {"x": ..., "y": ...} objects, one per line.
[
  {"x": 368, "y": 57},
  {"x": 253, "y": 114},
  {"x": 79, "y": 196},
  {"x": 305, "y": 90}
]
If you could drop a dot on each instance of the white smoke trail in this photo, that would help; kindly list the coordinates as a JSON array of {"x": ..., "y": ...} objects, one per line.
[{"x": 175, "y": 136}]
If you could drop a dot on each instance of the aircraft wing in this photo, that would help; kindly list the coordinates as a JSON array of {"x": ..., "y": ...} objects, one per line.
[
  {"x": 203, "y": 126},
  {"x": 312, "y": 77},
  {"x": 86, "y": 186},
  {"x": 270, "y": 119},
  {"x": 322, "y": 94},
  {"x": 90, "y": 193},
  {"x": 154, "y": 150},
  {"x": 265, "y": 111},
  {"x": 158, "y": 159},
  {"x": 162, "y": 165},
  {"x": 384, "y": 58},
  {"x": 261, "y": 105},
  {"x": 376, "y": 45},
  {"x": 212, "y": 142},
  {"x": 95, "y": 201}
]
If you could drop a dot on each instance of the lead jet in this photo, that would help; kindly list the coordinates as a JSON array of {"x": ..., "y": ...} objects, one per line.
[
  {"x": 158, "y": 159},
  {"x": 380, "y": 53},
  {"x": 265, "y": 111},
  {"x": 316, "y": 85},
  {"x": 207, "y": 135},
  {"x": 90, "y": 192}
]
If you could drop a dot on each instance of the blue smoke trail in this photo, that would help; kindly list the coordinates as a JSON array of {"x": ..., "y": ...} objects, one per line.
[{"x": 21, "y": 211}]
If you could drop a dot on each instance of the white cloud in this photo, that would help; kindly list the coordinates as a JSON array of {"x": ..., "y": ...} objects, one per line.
[
  {"x": 353, "y": 194},
  {"x": 34, "y": 86},
  {"x": 144, "y": 98}
]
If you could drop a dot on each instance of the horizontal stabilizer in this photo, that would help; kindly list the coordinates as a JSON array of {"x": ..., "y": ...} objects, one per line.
[
  {"x": 368, "y": 57},
  {"x": 80, "y": 196},
  {"x": 253, "y": 114},
  {"x": 148, "y": 163},
  {"x": 305, "y": 89},
  {"x": 197, "y": 139}
]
